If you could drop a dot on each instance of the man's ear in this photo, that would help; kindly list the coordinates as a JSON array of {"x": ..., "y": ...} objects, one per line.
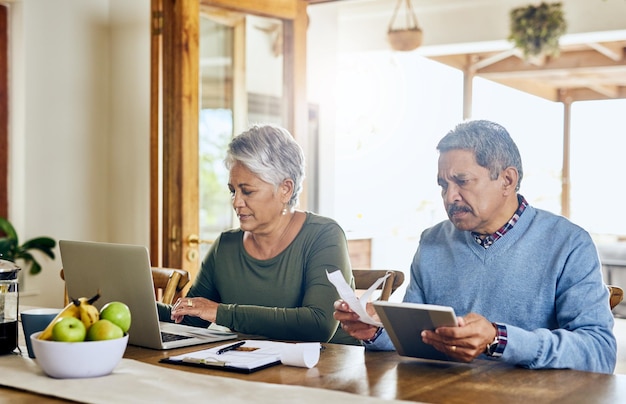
[{"x": 510, "y": 177}]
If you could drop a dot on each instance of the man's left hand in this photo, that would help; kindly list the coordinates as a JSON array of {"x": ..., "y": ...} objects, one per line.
[{"x": 465, "y": 342}]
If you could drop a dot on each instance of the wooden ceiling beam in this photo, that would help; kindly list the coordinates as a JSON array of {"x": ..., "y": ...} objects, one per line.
[
  {"x": 608, "y": 91},
  {"x": 576, "y": 60},
  {"x": 536, "y": 88},
  {"x": 610, "y": 50},
  {"x": 584, "y": 71},
  {"x": 586, "y": 94},
  {"x": 579, "y": 75}
]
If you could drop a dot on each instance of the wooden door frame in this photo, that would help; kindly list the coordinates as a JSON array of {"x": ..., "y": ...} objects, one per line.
[
  {"x": 4, "y": 111},
  {"x": 175, "y": 108}
]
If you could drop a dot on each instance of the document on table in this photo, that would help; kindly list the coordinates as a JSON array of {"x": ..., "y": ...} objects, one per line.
[
  {"x": 348, "y": 295},
  {"x": 251, "y": 356}
]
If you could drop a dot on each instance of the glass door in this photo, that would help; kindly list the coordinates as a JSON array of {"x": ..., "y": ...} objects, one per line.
[
  {"x": 217, "y": 67},
  {"x": 231, "y": 98}
]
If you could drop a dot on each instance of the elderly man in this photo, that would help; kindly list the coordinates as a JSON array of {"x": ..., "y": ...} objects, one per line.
[{"x": 527, "y": 282}]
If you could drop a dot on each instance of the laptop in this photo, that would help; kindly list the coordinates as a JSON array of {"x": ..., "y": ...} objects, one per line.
[{"x": 121, "y": 272}]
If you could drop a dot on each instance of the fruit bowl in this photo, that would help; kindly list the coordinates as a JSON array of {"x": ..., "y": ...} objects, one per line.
[{"x": 73, "y": 360}]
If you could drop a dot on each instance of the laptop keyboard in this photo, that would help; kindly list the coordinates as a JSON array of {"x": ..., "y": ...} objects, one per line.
[{"x": 169, "y": 337}]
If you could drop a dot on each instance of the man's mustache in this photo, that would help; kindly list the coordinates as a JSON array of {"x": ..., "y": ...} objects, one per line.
[{"x": 452, "y": 210}]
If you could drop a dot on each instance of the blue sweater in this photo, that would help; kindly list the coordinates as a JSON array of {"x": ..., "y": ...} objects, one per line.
[{"x": 542, "y": 279}]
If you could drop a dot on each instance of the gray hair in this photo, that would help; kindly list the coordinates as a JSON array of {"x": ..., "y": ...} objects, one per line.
[
  {"x": 491, "y": 143},
  {"x": 271, "y": 153}
]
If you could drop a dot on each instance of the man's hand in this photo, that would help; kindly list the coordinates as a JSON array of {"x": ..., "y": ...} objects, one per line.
[
  {"x": 465, "y": 342},
  {"x": 350, "y": 321}
]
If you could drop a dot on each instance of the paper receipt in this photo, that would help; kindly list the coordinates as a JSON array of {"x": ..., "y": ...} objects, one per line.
[{"x": 348, "y": 295}]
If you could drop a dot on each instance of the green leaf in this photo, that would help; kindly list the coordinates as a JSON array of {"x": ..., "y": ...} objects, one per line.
[
  {"x": 8, "y": 229},
  {"x": 35, "y": 268},
  {"x": 43, "y": 244},
  {"x": 7, "y": 248},
  {"x": 25, "y": 256},
  {"x": 536, "y": 29},
  {"x": 11, "y": 250}
]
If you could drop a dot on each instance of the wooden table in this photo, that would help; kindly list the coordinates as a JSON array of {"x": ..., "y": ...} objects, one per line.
[{"x": 389, "y": 376}]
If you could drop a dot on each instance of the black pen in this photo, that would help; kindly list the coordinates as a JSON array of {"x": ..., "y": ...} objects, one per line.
[{"x": 231, "y": 347}]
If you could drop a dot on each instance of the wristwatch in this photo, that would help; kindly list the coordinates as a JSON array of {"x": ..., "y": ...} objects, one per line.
[
  {"x": 495, "y": 349},
  {"x": 379, "y": 331}
]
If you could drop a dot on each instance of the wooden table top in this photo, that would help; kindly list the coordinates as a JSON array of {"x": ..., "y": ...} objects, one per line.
[{"x": 389, "y": 376}]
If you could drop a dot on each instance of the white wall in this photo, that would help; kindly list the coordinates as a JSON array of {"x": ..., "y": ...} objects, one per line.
[{"x": 80, "y": 127}]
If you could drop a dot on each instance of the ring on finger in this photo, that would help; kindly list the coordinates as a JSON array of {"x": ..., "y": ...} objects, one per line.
[
  {"x": 453, "y": 348},
  {"x": 189, "y": 303}
]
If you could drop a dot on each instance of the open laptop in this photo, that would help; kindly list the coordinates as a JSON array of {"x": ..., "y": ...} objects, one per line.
[{"x": 122, "y": 273}]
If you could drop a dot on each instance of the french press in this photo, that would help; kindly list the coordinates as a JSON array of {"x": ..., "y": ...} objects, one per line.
[{"x": 8, "y": 306}]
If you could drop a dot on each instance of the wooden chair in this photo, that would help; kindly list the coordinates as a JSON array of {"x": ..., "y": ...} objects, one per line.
[
  {"x": 364, "y": 278},
  {"x": 616, "y": 295},
  {"x": 168, "y": 284}
]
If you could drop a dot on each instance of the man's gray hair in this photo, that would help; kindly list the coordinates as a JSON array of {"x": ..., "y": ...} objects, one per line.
[{"x": 491, "y": 143}]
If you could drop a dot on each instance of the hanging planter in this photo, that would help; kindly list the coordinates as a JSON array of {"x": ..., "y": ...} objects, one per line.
[
  {"x": 409, "y": 36},
  {"x": 536, "y": 30}
]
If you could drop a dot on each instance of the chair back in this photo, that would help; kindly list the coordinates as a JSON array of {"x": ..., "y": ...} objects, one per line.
[
  {"x": 364, "y": 278},
  {"x": 616, "y": 295},
  {"x": 168, "y": 284}
]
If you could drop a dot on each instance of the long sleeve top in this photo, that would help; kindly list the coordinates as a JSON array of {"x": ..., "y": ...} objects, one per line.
[
  {"x": 287, "y": 297},
  {"x": 542, "y": 279}
]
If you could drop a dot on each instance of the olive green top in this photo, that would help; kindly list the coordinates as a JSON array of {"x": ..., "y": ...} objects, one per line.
[{"x": 287, "y": 297}]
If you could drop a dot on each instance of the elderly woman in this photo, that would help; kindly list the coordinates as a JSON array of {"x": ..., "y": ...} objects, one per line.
[{"x": 268, "y": 277}]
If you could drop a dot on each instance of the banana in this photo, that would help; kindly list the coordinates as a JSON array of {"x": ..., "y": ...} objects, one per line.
[
  {"x": 71, "y": 310},
  {"x": 89, "y": 313},
  {"x": 82, "y": 308}
]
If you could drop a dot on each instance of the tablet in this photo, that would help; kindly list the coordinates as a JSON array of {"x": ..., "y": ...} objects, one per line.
[{"x": 404, "y": 323}]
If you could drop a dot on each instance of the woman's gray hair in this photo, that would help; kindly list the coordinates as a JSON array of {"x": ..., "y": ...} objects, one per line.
[
  {"x": 491, "y": 143},
  {"x": 271, "y": 153}
]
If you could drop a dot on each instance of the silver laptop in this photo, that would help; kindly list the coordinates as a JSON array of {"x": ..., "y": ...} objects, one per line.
[{"x": 122, "y": 273}]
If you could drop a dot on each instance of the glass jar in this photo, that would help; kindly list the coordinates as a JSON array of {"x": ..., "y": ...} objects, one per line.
[{"x": 8, "y": 306}]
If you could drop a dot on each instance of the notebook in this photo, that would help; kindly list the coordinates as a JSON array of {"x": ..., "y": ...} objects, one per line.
[
  {"x": 404, "y": 323},
  {"x": 243, "y": 357},
  {"x": 122, "y": 273}
]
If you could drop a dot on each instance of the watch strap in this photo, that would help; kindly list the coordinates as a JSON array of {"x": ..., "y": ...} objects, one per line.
[
  {"x": 376, "y": 335},
  {"x": 496, "y": 348}
]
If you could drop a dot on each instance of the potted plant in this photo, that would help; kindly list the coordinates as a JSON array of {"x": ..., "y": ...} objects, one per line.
[
  {"x": 10, "y": 248},
  {"x": 536, "y": 29}
]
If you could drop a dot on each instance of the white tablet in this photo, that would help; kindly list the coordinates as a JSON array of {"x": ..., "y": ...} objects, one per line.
[{"x": 404, "y": 323}]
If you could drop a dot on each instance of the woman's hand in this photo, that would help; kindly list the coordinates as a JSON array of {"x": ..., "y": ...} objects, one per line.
[
  {"x": 194, "y": 306},
  {"x": 350, "y": 321}
]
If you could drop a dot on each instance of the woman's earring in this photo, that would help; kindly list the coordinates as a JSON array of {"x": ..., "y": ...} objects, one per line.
[{"x": 284, "y": 211}]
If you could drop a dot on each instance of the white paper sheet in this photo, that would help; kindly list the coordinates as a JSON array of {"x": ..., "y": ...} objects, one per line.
[
  {"x": 348, "y": 295},
  {"x": 302, "y": 354}
]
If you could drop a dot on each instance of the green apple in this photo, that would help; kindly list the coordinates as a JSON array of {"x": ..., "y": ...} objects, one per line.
[
  {"x": 118, "y": 313},
  {"x": 68, "y": 329},
  {"x": 103, "y": 329}
]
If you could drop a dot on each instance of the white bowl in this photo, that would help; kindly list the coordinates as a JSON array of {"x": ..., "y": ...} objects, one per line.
[{"x": 74, "y": 360}]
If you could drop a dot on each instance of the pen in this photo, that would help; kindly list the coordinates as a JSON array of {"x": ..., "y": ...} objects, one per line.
[{"x": 231, "y": 347}]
